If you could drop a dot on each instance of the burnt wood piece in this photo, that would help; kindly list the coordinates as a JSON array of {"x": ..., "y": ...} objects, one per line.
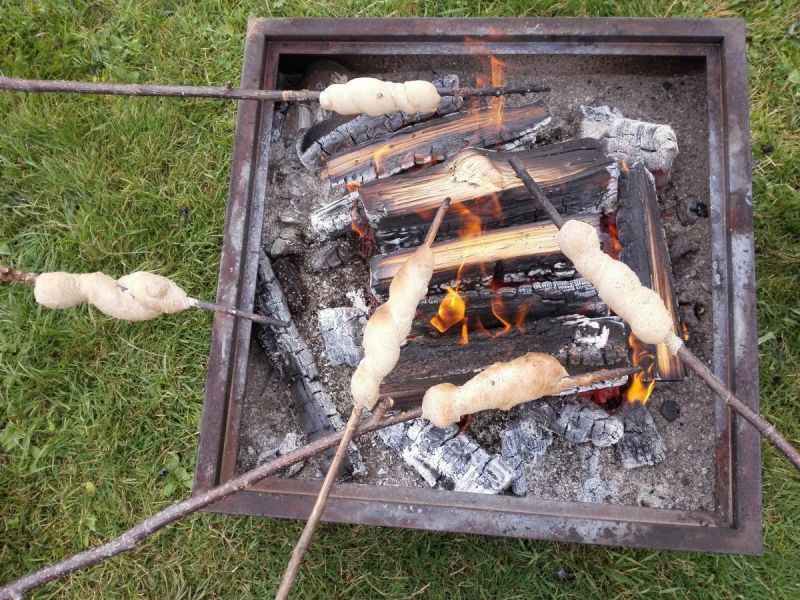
[
  {"x": 576, "y": 176},
  {"x": 525, "y": 441},
  {"x": 512, "y": 255},
  {"x": 436, "y": 140},
  {"x": 448, "y": 460},
  {"x": 516, "y": 304},
  {"x": 641, "y": 445},
  {"x": 294, "y": 363},
  {"x": 580, "y": 423},
  {"x": 644, "y": 249},
  {"x": 338, "y": 134},
  {"x": 581, "y": 344}
]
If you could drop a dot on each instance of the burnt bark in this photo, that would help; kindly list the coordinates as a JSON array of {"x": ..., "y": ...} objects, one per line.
[
  {"x": 294, "y": 363},
  {"x": 576, "y": 176},
  {"x": 581, "y": 344},
  {"x": 436, "y": 140},
  {"x": 338, "y": 134},
  {"x": 644, "y": 249}
]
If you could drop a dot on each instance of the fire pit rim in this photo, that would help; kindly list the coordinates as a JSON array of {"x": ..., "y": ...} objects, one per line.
[{"x": 735, "y": 524}]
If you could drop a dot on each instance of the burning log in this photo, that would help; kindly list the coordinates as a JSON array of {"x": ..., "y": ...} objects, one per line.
[
  {"x": 647, "y": 255},
  {"x": 626, "y": 139},
  {"x": 511, "y": 255},
  {"x": 576, "y": 175},
  {"x": 338, "y": 134},
  {"x": 434, "y": 141},
  {"x": 294, "y": 361},
  {"x": 449, "y": 460},
  {"x": 581, "y": 344}
]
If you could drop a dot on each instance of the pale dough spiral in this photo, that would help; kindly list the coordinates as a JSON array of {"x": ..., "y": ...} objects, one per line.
[
  {"x": 616, "y": 283},
  {"x": 136, "y": 297},
  {"x": 375, "y": 97},
  {"x": 389, "y": 326},
  {"x": 502, "y": 385}
]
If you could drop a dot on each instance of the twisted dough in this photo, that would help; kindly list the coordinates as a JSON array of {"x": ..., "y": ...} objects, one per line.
[
  {"x": 502, "y": 385},
  {"x": 375, "y": 97},
  {"x": 617, "y": 284},
  {"x": 389, "y": 326},
  {"x": 136, "y": 297}
]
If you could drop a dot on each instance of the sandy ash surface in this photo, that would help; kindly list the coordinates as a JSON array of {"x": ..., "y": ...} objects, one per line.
[{"x": 668, "y": 91}]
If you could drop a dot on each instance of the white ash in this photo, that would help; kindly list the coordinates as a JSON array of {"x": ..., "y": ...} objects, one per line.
[
  {"x": 341, "y": 329},
  {"x": 656, "y": 496},
  {"x": 446, "y": 459},
  {"x": 654, "y": 144},
  {"x": 290, "y": 442},
  {"x": 595, "y": 490},
  {"x": 525, "y": 441}
]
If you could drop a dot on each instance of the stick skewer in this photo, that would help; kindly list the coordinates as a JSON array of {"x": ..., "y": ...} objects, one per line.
[
  {"x": 134, "y": 536},
  {"x": 9, "y": 275},
  {"x": 16, "y": 84},
  {"x": 717, "y": 386},
  {"x": 287, "y": 581}
]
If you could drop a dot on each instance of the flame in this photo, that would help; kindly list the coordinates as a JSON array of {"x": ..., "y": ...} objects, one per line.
[
  {"x": 612, "y": 244},
  {"x": 378, "y": 156},
  {"x": 464, "y": 334},
  {"x": 641, "y": 384},
  {"x": 362, "y": 233},
  {"x": 685, "y": 331},
  {"x": 451, "y": 312},
  {"x": 497, "y": 311},
  {"x": 623, "y": 165},
  {"x": 471, "y": 225},
  {"x": 352, "y": 186},
  {"x": 519, "y": 318}
]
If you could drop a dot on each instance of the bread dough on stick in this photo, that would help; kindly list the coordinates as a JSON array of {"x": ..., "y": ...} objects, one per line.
[
  {"x": 136, "y": 297},
  {"x": 375, "y": 97},
  {"x": 502, "y": 385},
  {"x": 618, "y": 286},
  {"x": 389, "y": 326}
]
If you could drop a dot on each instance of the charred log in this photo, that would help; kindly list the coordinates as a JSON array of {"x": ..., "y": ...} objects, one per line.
[
  {"x": 641, "y": 445},
  {"x": 644, "y": 249},
  {"x": 338, "y": 134},
  {"x": 294, "y": 363},
  {"x": 448, "y": 460},
  {"x": 577, "y": 177},
  {"x": 581, "y": 344},
  {"x": 436, "y": 140},
  {"x": 511, "y": 256}
]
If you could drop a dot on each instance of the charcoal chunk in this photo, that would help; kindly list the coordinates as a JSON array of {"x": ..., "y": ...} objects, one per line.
[
  {"x": 579, "y": 423},
  {"x": 526, "y": 440},
  {"x": 641, "y": 445},
  {"x": 341, "y": 329}
]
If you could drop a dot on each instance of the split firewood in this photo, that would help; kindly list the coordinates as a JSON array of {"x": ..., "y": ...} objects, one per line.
[
  {"x": 502, "y": 386},
  {"x": 641, "y": 307},
  {"x": 140, "y": 296},
  {"x": 653, "y": 144},
  {"x": 384, "y": 333}
]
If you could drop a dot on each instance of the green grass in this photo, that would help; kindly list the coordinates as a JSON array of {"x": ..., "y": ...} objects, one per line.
[{"x": 99, "y": 419}]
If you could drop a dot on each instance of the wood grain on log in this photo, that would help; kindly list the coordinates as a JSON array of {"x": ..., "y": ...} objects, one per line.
[
  {"x": 581, "y": 344},
  {"x": 338, "y": 134},
  {"x": 644, "y": 249},
  {"x": 434, "y": 141},
  {"x": 577, "y": 176}
]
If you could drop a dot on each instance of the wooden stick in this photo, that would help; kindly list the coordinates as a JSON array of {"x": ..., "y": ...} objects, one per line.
[
  {"x": 16, "y": 84},
  {"x": 763, "y": 426},
  {"x": 289, "y": 576},
  {"x": 9, "y": 275},
  {"x": 131, "y": 538}
]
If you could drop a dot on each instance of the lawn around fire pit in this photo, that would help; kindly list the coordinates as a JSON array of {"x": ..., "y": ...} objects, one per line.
[{"x": 99, "y": 419}]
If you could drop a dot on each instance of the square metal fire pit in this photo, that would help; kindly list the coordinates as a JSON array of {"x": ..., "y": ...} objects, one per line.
[{"x": 734, "y": 526}]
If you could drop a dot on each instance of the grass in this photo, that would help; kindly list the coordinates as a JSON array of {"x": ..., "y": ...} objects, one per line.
[{"x": 99, "y": 419}]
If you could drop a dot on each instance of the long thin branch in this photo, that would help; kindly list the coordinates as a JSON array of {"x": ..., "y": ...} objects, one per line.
[
  {"x": 16, "y": 84},
  {"x": 131, "y": 538}
]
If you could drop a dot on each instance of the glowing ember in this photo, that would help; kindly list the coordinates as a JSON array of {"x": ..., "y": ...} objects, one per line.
[
  {"x": 685, "y": 331},
  {"x": 352, "y": 186},
  {"x": 641, "y": 384}
]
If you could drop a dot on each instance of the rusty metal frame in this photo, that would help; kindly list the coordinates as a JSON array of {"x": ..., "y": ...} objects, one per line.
[{"x": 734, "y": 526}]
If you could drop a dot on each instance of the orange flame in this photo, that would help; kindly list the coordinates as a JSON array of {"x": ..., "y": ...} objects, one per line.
[
  {"x": 519, "y": 318},
  {"x": 352, "y": 186},
  {"x": 356, "y": 229},
  {"x": 497, "y": 311},
  {"x": 641, "y": 384},
  {"x": 451, "y": 312},
  {"x": 471, "y": 225},
  {"x": 623, "y": 165},
  {"x": 378, "y": 156},
  {"x": 685, "y": 331},
  {"x": 613, "y": 246}
]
